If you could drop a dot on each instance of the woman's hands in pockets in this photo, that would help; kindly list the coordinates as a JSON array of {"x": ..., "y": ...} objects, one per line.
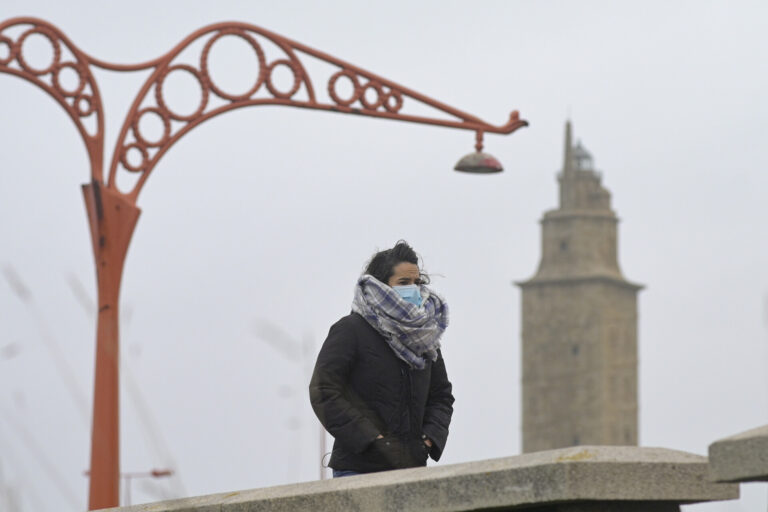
[
  {"x": 388, "y": 451},
  {"x": 395, "y": 452}
]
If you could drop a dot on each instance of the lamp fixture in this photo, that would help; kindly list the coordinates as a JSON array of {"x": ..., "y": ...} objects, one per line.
[{"x": 478, "y": 162}]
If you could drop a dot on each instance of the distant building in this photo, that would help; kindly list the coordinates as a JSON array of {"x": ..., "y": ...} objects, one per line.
[{"x": 579, "y": 322}]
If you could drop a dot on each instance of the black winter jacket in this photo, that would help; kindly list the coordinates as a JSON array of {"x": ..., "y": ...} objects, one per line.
[{"x": 361, "y": 389}]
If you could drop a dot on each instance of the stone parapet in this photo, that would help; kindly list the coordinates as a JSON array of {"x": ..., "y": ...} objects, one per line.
[
  {"x": 740, "y": 458},
  {"x": 579, "y": 479}
]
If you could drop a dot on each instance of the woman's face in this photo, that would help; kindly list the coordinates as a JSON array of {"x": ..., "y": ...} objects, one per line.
[{"x": 404, "y": 274}]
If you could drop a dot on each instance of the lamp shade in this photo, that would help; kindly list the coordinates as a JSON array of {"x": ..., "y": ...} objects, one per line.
[{"x": 478, "y": 162}]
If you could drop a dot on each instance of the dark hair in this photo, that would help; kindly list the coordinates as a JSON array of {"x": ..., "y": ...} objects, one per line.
[{"x": 383, "y": 263}]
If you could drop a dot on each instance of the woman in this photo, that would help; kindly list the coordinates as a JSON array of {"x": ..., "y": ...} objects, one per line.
[{"x": 379, "y": 385}]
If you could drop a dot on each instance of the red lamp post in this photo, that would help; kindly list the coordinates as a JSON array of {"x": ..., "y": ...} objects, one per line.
[{"x": 112, "y": 212}]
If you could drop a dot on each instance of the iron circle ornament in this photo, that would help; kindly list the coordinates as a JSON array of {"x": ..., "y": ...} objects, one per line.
[
  {"x": 379, "y": 95},
  {"x": 51, "y": 37},
  {"x": 296, "y": 79},
  {"x": 259, "y": 55},
  {"x": 57, "y": 84},
  {"x": 164, "y": 117},
  {"x": 89, "y": 106},
  {"x": 7, "y": 41},
  {"x": 392, "y": 93},
  {"x": 144, "y": 157},
  {"x": 355, "y": 85},
  {"x": 203, "y": 92}
]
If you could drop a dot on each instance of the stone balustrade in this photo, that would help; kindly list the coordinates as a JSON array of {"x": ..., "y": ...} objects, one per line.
[
  {"x": 578, "y": 479},
  {"x": 740, "y": 458}
]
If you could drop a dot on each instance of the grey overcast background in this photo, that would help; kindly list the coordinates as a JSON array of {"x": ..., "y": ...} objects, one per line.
[{"x": 255, "y": 226}]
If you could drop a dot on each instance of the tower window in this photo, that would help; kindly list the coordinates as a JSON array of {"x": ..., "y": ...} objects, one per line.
[
  {"x": 575, "y": 350},
  {"x": 563, "y": 245}
]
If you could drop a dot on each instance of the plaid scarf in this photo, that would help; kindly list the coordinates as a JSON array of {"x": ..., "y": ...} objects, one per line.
[{"x": 411, "y": 331}]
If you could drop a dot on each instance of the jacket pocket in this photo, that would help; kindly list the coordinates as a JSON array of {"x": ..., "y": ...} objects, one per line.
[{"x": 388, "y": 452}]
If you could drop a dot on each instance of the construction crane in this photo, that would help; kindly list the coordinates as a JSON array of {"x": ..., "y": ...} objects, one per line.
[{"x": 300, "y": 352}]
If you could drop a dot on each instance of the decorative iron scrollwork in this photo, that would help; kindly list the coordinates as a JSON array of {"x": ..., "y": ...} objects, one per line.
[
  {"x": 79, "y": 102},
  {"x": 138, "y": 153}
]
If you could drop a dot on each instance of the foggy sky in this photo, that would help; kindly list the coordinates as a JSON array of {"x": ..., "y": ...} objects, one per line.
[{"x": 255, "y": 225}]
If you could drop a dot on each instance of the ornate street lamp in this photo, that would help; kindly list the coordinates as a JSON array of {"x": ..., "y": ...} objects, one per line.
[{"x": 112, "y": 212}]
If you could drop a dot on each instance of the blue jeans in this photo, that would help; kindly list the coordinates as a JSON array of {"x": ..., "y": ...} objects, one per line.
[{"x": 337, "y": 473}]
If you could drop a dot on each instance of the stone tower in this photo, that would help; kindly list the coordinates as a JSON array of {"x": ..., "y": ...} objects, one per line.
[{"x": 579, "y": 332}]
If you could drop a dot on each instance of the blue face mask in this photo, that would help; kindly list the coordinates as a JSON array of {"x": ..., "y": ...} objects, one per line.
[{"x": 410, "y": 293}]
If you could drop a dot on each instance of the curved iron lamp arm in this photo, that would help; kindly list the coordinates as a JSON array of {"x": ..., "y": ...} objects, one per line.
[{"x": 388, "y": 102}]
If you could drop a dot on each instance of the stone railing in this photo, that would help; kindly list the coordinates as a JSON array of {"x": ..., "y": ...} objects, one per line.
[
  {"x": 740, "y": 458},
  {"x": 578, "y": 479}
]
